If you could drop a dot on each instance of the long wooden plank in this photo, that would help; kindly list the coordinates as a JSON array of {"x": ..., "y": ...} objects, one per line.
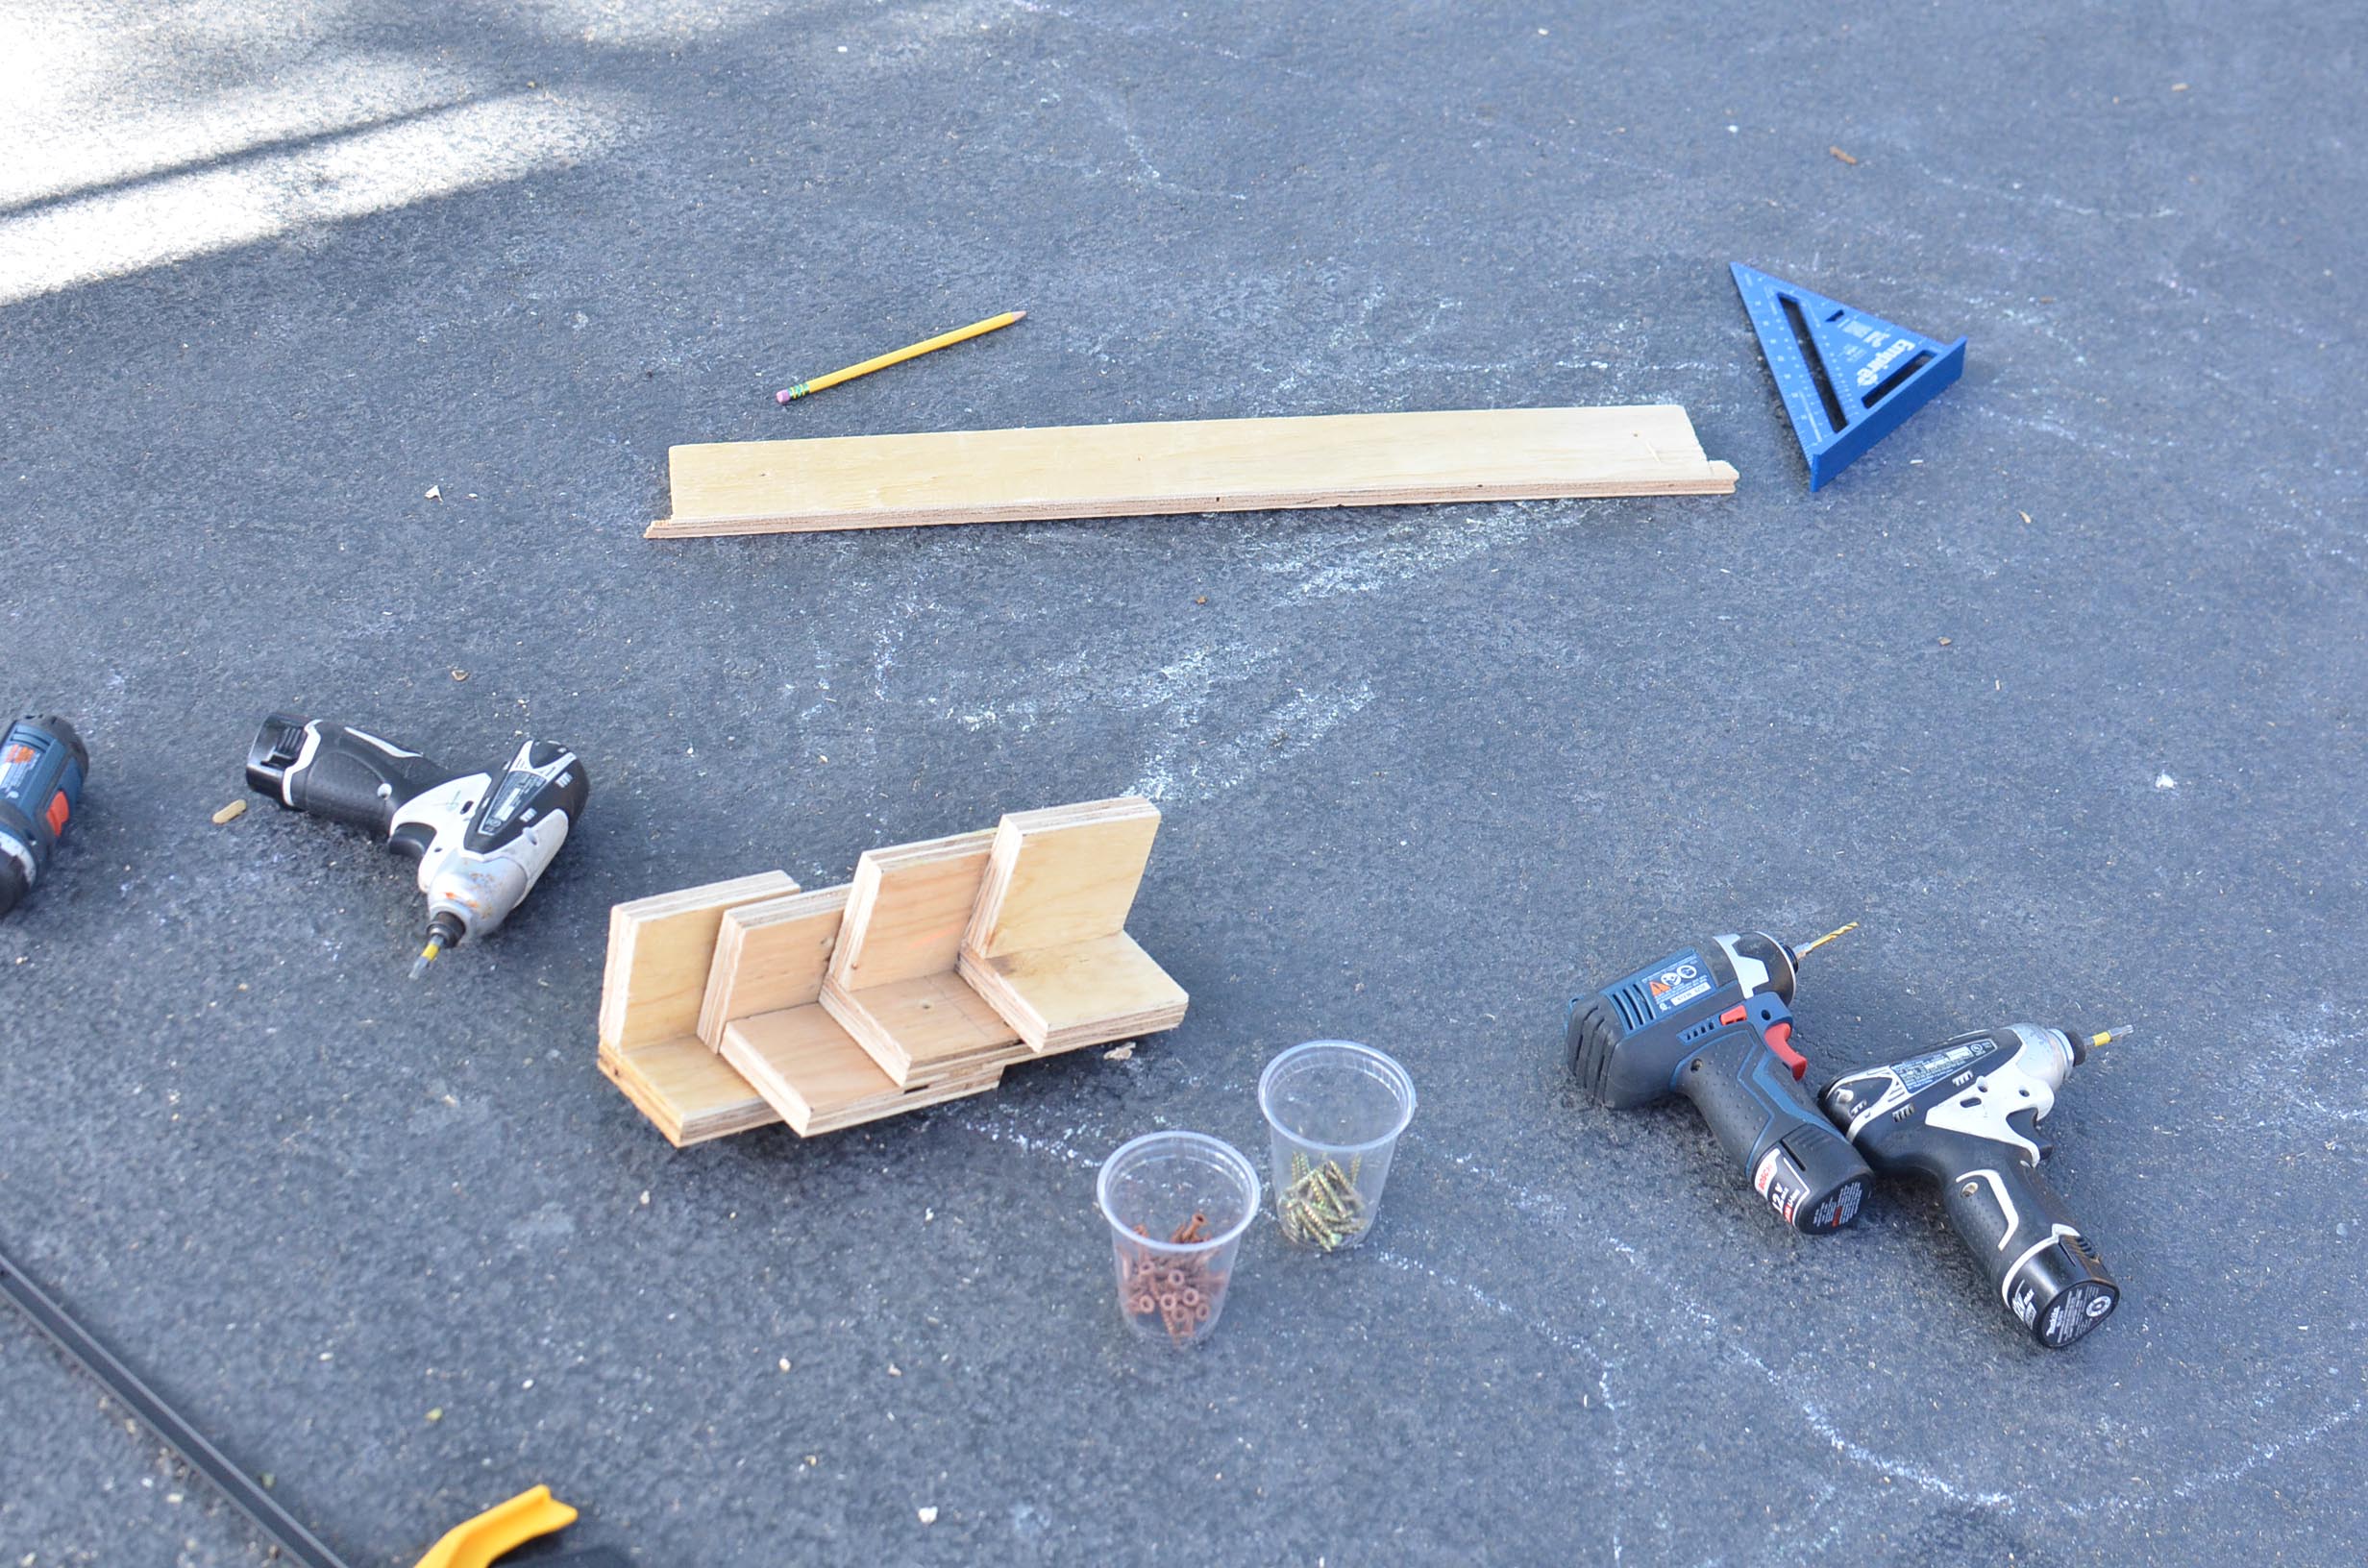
[
  {"x": 660, "y": 950},
  {"x": 769, "y": 956},
  {"x": 1220, "y": 465}
]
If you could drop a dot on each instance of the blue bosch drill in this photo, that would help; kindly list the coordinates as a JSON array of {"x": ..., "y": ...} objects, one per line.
[
  {"x": 42, "y": 765},
  {"x": 1711, "y": 1021}
]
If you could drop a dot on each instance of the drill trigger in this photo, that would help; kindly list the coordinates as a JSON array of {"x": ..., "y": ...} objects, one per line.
[{"x": 1775, "y": 1024}]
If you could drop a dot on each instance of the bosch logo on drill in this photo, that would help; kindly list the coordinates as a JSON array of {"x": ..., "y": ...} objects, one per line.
[
  {"x": 1764, "y": 1177},
  {"x": 1780, "y": 1180}
]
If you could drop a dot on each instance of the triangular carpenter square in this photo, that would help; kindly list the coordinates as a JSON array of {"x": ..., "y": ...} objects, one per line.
[{"x": 1848, "y": 378}]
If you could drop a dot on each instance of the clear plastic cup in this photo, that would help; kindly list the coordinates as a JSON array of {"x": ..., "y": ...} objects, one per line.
[
  {"x": 1178, "y": 1204},
  {"x": 1335, "y": 1109}
]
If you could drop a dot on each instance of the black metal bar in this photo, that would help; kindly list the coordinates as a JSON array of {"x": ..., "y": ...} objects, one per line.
[{"x": 299, "y": 1544}]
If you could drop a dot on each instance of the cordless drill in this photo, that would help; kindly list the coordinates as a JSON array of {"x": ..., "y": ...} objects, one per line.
[
  {"x": 480, "y": 839},
  {"x": 1709, "y": 1022},
  {"x": 1966, "y": 1115},
  {"x": 42, "y": 765}
]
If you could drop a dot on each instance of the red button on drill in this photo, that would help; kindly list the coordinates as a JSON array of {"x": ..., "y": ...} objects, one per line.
[
  {"x": 1733, "y": 1015},
  {"x": 1780, "y": 1040}
]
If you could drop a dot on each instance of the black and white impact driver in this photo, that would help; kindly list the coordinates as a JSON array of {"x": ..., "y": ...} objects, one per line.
[
  {"x": 1966, "y": 1115},
  {"x": 481, "y": 839}
]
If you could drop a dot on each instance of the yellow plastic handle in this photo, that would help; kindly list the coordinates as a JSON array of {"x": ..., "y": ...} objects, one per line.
[{"x": 499, "y": 1528}]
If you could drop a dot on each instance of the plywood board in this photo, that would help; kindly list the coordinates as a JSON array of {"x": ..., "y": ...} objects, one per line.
[
  {"x": 878, "y": 482},
  {"x": 660, "y": 950},
  {"x": 688, "y": 1092},
  {"x": 1047, "y": 944},
  {"x": 921, "y": 1030},
  {"x": 907, "y": 909},
  {"x": 769, "y": 956},
  {"x": 810, "y": 1070},
  {"x": 1081, "y": 994},
  {"x": 1062, "y": 875},
  {"x": 891, "y": 981}
]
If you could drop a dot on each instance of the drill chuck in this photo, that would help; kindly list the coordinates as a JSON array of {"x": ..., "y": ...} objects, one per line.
[{"x": 42, "y": 765}]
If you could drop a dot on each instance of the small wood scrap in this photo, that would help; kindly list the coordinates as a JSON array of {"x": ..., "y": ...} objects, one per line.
[
  {"x": 230, "y": 813},
  {"x": 830, "y": 1008},
  {"x": 1179, "y": 465},
  {"x": 1844, "y": 157}
]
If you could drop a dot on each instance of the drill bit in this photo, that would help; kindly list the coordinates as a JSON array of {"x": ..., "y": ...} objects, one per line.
[
  {"x": 2119, "y": 1031},
  {"x": 1840, "y": 931},
  {"x": 444, "y": 931}
]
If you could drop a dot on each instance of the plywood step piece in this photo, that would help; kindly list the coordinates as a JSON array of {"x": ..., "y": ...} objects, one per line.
[
  {"x": 907, "y": 909},
  {"x": 811, "y": 1070},
  {"x": 769, "y": 956},
  {"x": 1047, "y": 944},
  {"x": 891, "y": 981},
  {"x": 686, "y": 1090},
  {"x": 879, "y": 481},
  {"x": 660, "y": 950},
  {"x": 1079, "y": 994},
  {"x": 921, "y": 1030}
]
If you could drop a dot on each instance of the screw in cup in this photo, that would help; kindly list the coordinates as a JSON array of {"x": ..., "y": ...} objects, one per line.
[
  {"x": 1177, "y": 1204},
  {"x": 1335, "y": 1110}
]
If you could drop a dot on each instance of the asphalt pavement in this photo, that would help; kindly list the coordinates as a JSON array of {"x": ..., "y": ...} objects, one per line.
[{"x": 340, "y": 348}]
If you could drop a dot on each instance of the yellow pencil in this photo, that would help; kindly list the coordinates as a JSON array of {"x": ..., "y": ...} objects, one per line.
[{"x": 975, "y": 329}]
